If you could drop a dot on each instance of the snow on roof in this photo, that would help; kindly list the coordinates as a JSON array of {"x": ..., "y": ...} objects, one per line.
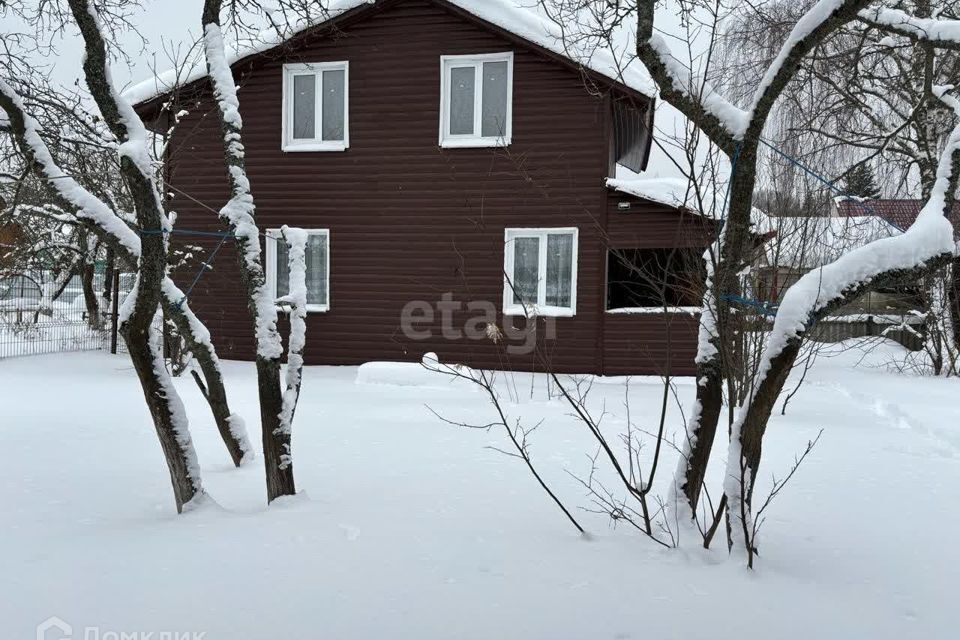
[
  {"x": 673, "y": 192},
  {"x": 506, "y": 14},
  {"x": 901, "y": 213},
  {"x": 679, "y": 193},
  {"x": 803, "y": 242}
]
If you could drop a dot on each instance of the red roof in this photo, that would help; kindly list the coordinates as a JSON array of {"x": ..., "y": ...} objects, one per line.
[{"x": 899, "y": 213}]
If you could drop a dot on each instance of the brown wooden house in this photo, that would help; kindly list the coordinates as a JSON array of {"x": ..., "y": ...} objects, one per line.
[{"x": 451, "y": 163}]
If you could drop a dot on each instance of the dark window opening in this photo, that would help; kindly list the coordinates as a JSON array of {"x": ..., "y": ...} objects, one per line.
[
  {"x": 654, "y": 278},
  {"x": 629, "y": 140}
]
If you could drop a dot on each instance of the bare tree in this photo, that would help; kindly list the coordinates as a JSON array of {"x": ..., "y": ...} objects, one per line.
[
  {"x": 138, "y": 242},
  {"x": 926, "y": 246},
  {"x": 737, "y": 132}
]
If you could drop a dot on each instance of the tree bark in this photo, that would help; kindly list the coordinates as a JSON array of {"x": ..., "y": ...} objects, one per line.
[
  {"x": 92, "y": 305},
  {"x": 198, "y": 340},
  {"x": 953, "y": 300}
]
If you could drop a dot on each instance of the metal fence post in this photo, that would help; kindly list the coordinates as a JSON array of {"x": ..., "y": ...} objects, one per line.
[{"x": 114, "y": 311}]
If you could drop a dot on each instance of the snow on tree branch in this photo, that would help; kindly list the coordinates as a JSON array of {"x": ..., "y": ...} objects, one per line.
[
  {"x": 296, "y": 300},
  {"x": 812, "y": 27},
  {"x": 224, "y": 88},
  {"x": 26, "y": 128},
  {"x": 239, "y": 210},
  {"x": 701, "y": 102},
  {"x": 930, "y": 236},
  {"x": 939, "y": 32},
  {"x": 734, "y": 119},
  {"x": 118, "y": 113}
]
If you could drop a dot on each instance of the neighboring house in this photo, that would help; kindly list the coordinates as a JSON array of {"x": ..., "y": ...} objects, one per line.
[
  {"x": 449, "y": 159},
  {"x": 797, "y": 244},
  {"x": 899, "y": 213}
]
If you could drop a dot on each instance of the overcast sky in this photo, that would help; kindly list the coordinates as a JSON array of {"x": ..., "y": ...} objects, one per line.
[{"x": 171, "y": 23}]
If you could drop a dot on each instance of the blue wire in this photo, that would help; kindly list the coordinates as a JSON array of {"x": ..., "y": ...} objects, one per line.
[
  {"x": 826, "y": 182},
  {"x": 187, "y": 232},
  {"x": 203, "y": 269},
  {"x": 733, "y": 169},
  {"x": 767, "y": 308},
  {"x": 207, "y": 264}
]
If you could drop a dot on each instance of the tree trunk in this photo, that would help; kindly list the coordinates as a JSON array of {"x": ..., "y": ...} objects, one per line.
[
  {"x": 197, "y": 339},
  {"x": 239, "y": 213},
  {"x": 111, "y": 267},
  {"x": 278, "y": 465},
  {"x": 92, "y": 305},
  {"x": 143, "y": 343},
  {"x": 166, "y": 409},
  {"x": 717, "y": 341},
  {"x": 953, "y": 302}
]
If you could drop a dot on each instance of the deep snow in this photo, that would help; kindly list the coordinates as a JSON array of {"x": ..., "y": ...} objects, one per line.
[{"x": 411, "y": 528}]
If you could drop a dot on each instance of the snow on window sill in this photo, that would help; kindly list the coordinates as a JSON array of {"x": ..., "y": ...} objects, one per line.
[
  {"x": 298, "y": 147},
  {"x": 311, "y": 308},
  {"x": 473, "y": 143},
  {"x": 640, "y": 310},
  {"x": 533, "y": 311}
]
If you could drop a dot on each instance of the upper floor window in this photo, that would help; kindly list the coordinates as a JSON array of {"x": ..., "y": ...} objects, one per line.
[
  {"x": 318, "y": 267},
  {"x": 315, "y": 116},
  {"x": 540, "y": 272},
  {"x": 476, "y": 100}
]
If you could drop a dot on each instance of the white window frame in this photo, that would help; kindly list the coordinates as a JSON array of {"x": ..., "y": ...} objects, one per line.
[
  {"x": 475, "y": 139},
  {"x": 510, "y": 308},
  {"x": 288, "y": 143},
  {"x": 274, "y": 236}
]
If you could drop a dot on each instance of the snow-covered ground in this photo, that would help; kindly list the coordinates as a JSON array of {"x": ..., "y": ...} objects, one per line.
[{"x": 412, "y": 528}]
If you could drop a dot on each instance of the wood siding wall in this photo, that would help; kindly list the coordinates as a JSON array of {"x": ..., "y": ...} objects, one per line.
[
  {"x": 408, "y": 220},
  {"x": 654, "y": 343}
]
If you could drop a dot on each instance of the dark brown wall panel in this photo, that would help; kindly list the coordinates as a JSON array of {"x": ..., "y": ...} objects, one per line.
[
  {"x": 650, "y": 343},
  {"x": 650, "y": 225}
]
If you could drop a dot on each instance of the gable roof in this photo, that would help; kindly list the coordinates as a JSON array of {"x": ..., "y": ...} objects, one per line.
[
  {"x": 900, "y": 213},
  {"x": 505, "y": 15}
]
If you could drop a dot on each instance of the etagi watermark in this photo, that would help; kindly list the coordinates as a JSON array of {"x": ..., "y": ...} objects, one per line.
[
  {"x": 418, "y": 321},
  {"x": 54, "y": 628}
]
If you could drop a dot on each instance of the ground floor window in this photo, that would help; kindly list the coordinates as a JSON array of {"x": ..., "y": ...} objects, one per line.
[
  {"x": 540, "y": 272},
  {"x": 318, "y": 267},
  {"x": 654, "y": 278}
]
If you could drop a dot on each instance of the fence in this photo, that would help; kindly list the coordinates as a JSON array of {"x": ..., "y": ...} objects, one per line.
[
  {"x": 907, "y": 330},
  {"x": 32, "y": 323}
]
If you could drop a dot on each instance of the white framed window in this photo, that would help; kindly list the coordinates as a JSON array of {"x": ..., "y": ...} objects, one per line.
[
  {"x": 476, "y": 100},
  {"x": 540, "y": 272},
  {"x": 316, "y": 106},
  {"x": 318, "y": 267}
]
